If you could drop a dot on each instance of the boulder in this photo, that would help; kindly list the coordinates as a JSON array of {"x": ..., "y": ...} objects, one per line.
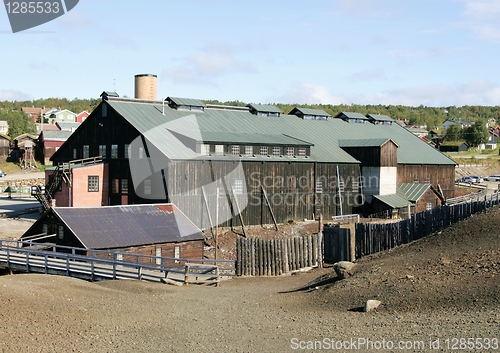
[
  {"x": 344, "y": 269},
  {"x": 371, "y": 305}
]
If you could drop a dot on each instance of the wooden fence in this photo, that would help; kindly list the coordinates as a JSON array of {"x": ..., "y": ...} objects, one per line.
[
  {"x": 337, "y": 244},
  {"x": 375, "y": 237},
  {"x": 258, "y": 257}
]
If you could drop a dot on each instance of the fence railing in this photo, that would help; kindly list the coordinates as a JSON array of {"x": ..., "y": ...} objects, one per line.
[
  {"x": 96, "y": 264},
  {"x": 274, "y": 257}
]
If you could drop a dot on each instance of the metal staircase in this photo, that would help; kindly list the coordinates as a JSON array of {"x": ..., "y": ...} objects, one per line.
[{"x": 45, "y": 194}]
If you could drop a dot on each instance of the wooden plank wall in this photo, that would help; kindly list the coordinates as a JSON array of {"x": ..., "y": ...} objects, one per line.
[
  {"x": 337, "y": 244},
  {"x": 444, "y": 175},
  {"x": 274, "y": 257}
]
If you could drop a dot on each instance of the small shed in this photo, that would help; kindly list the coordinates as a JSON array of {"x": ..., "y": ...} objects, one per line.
[
  {"x": 422, "y": 196},
  {"x": 154, "y": 229},
  {"x": 453, "y": 146}
]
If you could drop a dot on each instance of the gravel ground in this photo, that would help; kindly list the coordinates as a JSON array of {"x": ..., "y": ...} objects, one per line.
[{"x": 437, "y": 289}]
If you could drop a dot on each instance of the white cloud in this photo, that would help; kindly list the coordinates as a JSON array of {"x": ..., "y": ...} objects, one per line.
[
  {"x": 308, "y": 93},
  {"x": 12, "y": 95},
  {"x": 209, "y": 64},
  {"x": 481, "y": 17},
  {"x": 474, "y": 92}
]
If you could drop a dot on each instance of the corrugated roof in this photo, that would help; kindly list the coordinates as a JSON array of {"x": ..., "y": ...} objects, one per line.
[
  {"x": 243, "y": 138},
  {"x": 147, "y": 118},
  {"x": 51, "y": 135},
  {"x": 350, "y": 115},
  {"x": 413, "y": 191},
  {"x": 393, "y": 200},
  {"x": 308, "y": 111},
  {"x": 265, "y": 108},
  {"x": 374, "y": 142},
  {"x": 379, "y": 117},
  {"x": 187, "y": 101},
  {"x": 67, "y": 126},
  {"x": 109, "y": 227}
]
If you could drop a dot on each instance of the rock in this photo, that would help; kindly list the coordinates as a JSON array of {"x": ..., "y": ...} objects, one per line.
[
  {"x": 371, "y": 305},
  {"x": 344, "y": 269}
]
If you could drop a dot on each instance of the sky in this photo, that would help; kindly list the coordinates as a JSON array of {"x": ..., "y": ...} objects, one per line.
[{"x": 434, "y": 53}]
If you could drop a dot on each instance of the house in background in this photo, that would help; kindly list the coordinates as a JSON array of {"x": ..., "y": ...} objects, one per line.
[
  {"x": 493, "y": 138},
  {"x": 49, "y": 142},
  {"x": 33, "y": 112},
  {"x": 54, "y": 116},
  {"x": 453, "y": 146},
  {"x": 4, "y": 127},
  {"x": 417, "y": 131},
  {"x": 5, "y": 143},
  {"x": 80, "y": 117},
  {"x": 462, "y": 123},
  {"x": 157, "y": 230},
  {"x": 67, "y": 126}
]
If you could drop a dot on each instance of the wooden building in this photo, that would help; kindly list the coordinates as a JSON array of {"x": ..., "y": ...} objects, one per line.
[
  {"x": 5, "y": 146},
  {"x": 157, "y": 230},
  {"x": 251, "y": 164}
]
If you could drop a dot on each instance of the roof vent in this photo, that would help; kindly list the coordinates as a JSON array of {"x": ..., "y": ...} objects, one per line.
[
  {"x": 310, "y": 114},
  {"x": 353, "y": 118},
  {"x": 186, "y": 104},
  {"x": 380, "y": 119},
  {"x": 264, "y": 110}
]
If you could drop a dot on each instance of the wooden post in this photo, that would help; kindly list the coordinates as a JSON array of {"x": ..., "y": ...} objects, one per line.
[
  {"x": 186, "y": 273},
  {"x": 208, "y": 209},
  {"x": 269, "y": 207},
  {"x": 285, "y": 256},
  {"x": 216, "y": 223},
  {"x": 239, "y": 212}
]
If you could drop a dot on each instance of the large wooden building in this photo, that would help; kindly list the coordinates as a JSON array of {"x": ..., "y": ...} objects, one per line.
[{"x": 254, "y": 164}]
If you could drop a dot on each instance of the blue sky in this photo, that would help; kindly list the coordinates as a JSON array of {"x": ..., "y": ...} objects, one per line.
[{"x": 409, "y": 52}]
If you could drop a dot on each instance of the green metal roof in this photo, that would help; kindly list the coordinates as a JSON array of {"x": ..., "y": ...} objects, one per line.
[
  {"x": 187, "y": 101},
  {"x": 412, "y": 192},
  {"x": 308, "y": 111},
  {"x": 393, "y": 200},
  {"x": 243, "y": 138},
  {"x": 374, "y": 142},
  {"x": 379, "y": 117},
  {"x": 56, "y": 135},
  {"x": 350, "y": 115},
  {"x": 147, "y": 118},
  {"x": 265, "y": 108}
]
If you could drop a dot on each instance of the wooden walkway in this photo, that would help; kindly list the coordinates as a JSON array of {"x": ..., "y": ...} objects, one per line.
[{"x": 22, "y": 256}]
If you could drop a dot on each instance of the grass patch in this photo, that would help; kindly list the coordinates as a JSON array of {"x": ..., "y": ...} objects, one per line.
[{"x": 10, "y": 168}]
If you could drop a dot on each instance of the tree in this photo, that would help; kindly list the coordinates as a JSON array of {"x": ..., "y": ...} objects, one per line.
[
  {"x": 19, "y": 123},
  {"x": 454, "y": 132},
  {"x": 476, "y": 134}
]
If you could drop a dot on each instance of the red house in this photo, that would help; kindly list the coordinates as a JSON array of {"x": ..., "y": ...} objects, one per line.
[{"x": 80, "y": 117}]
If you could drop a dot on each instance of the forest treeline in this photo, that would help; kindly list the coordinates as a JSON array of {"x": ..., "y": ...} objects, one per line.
[{"x": 433, "y": 117}]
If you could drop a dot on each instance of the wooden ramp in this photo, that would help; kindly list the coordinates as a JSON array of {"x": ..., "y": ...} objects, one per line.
[{"x": 21, "y": 256}]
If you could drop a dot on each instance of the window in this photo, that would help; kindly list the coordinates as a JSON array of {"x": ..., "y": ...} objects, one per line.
[
  {"x": 114, "y": 186},
  {"x": 177, "y": 253},
  {"x": 141, "y": 152},
  {"x": 126, "y": 152},
  {"x": 428, "y": 206},
  {"x": 102, "y": 151},
  {"x": 428, "y": 180},
  {"x": 86, "y": 151},
  {"x": 355, "y": 185},
  {"x": 302, "y": 151},
  {"x": 104, "y": 110},
  {"x": 319, "y": 187},
  {"x": 235, "y": 149},
  {"x": 415, "y": 181},
  {"x": 93, "y": 183},
  {"x": 238, "y": 186},
  {"x": 219, "y": 150},
  {"x": 45, "y": 228},
  {"x": 75, "y": 155},
  {"x": 124, "y": 185},
  {"x": 249, "y": 150},
  {"x": 158, "y": 256},
  {"x": 114, "y": 151},
  {"x": 60, "y": 232},
  {"x": 205, "y": 149},
  {"x": 147, "y": 187},
  {"x": 276, "y": 151},
  {"x": 290, "y": 151},
  {"x": 341, "y": 185},
  {"x": 263, "y": 150}
]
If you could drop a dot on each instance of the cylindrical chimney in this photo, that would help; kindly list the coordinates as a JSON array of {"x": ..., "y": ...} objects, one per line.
[{"x": 145, "y": 86}]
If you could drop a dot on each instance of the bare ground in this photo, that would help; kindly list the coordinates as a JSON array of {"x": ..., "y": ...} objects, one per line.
[{"x": 444, "y": 286}]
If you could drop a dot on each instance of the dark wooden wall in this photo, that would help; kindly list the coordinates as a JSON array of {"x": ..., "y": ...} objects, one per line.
[
  {"x": 383, "y": 156},
  {"x": 444, "y": 175}
]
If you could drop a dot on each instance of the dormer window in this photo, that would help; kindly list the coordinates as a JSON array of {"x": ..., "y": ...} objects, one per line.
[
  {"x": 186, "y": 104},
  {"x": 264, "y": 110},
  {"x": 235, "y": 149},
  {"x": 263, "y": 151},
  {"x": 276, "y": 151},
  {"x": 249, "y": 150},
  {"x": 310, "y": 114},
  {"x": 290, "y": 151},
  {"x": 302, "y": 151},
  {"x": 219, "y": 150},
  {"x": 205, "y": 149}
]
